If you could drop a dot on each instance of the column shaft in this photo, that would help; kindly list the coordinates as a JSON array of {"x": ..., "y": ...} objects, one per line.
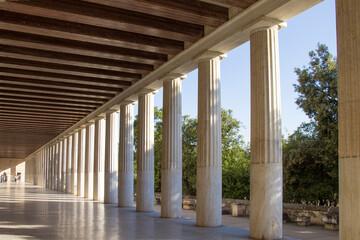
[
  {"x": 266, "y": 152},
  {"x": 80, "y": 165},
  {"x": 68, "y": 165},
  {"x": 53, "y": 170},
  {"x": 59, "y": 166},
  {"x": 111, "y": 163},
  {"x": 97, "y": 155},
  {"x": 126, "y": 157},
  {"x": 209, "y": 174},
  {"x": 348, "y": 34},
  {"x": 74, "y": 163},
  {"x": 48, "y": 166},
  {"x": 89, "y": 151},
  {"x": 63, "y": 165},
  {"x": 13, "y": 173},
  {"x": 171, "y": 166},
  {"x": 145, "y": 149}
]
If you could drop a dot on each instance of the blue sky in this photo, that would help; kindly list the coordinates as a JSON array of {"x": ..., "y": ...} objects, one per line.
[{"x": 303, "y": 33}]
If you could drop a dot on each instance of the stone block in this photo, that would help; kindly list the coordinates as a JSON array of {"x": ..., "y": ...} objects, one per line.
[
  {"x": 303, "y": 221},
  {"x": 331, "y": 221}
]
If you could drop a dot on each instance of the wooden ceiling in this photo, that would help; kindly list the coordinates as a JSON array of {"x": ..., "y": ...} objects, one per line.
[{"x": 60, "y": 60}]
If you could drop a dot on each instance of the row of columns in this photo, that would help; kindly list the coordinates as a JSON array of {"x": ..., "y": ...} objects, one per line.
[{"x": 82, "y": 159}]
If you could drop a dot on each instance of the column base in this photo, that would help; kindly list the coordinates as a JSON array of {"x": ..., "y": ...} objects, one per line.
[
  {"x": 209, "y": 197},
  {"x": 171, "y": 193},
  {"x": 126, "y": 189},
  {"x": 145, "y": 191},
  {"x": 266, "y": 201}
]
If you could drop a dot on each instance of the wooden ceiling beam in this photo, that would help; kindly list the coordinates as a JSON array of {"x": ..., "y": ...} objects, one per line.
[
  {"x": 7, "y": 102},
  {"x": 124, "y": 66},
  {"x": 243, "y": 4},
  {"x": 36, "y": 116},
  {"x": 37, "y": 120},
  {"x": 100, "y": 36},
  {"x": 25, "y": 123},
  {"x": 51, "y": 96},
  {"x": 64, "y": 92},
  {"x": 43, "y": 129},
  {"x": 186, "y": 11},
  {"x": 43, "y": 108},
  {"x": 67, "y": 63},
  {"x": 110, "y": 18},
  {"x": 36, "y": 111},
  {"x": 65, "y": 119},
  {"x": 58, "y": 86},
  {"x": 11, "y": 38},
  {"x": 100, "y": 82},
  {"x": 68, "y": 69},
  {"x": 50, "y": 102}
]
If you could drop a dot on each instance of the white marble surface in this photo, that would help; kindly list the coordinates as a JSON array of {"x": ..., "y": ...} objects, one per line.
[
  {"x": 209, "y": 174},
  {"x": 266, "y": 151},
  {"x": 348, "y": 33},
  {"x": 126, "y": 156},
  {"x": 111, "y": 163},
  {"x": 145, "y": 163},
  {"x": 171, "y": 166}
]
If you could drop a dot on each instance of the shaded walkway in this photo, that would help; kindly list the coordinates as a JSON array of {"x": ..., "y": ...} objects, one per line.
[{"x": 31, "y": 212}]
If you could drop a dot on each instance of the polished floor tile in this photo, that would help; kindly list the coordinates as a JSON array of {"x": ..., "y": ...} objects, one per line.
[{"x": 31, "y": 212}]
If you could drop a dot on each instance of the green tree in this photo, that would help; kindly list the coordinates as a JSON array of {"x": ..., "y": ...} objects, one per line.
[
  {"x": 235, "y": 159},
  {"x": 317, "y": 141},
  {"x": 157, "y": 148},
  {"x": 305, "y": 177},
  {"x": 189, "y": 147}
]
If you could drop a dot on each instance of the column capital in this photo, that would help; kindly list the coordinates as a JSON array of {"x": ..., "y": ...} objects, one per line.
[
  {"x": 115, "y": 108},
  {"x": 90, "y": 122},
  {"x": 208, "y": 55},
  {"x": 99, "y": 117},
  {"x": 110, "y": 111},
  {"x": 127, "y": 102},
  {"x": 278, "y": 27},
  {"x": 172, "y": 76},
  {"x": 146, "y": 91},
  {"x": 80, "y": 128}
]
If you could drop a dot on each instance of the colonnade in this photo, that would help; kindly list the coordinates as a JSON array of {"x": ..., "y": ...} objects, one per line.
[{"x": 85, "y": 163}]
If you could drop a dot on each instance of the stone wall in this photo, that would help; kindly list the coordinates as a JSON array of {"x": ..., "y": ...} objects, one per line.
[{"x": 297, "y": 213}]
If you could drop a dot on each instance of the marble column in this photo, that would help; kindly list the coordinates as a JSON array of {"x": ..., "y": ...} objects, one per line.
[
  {"x": 209, "y": 161},
  {"x": 63, "y": 165},
  {"x": 13, "y": 173},
  {"x": 111, "y": 163},
  {"x": 126, "y": 156},
  {"x": 68, "y": 165},
  {"x": 98, "y": 153},
  {"x": 145, "y": 161},
  {"x": 266, "y": 150},
  {"x": 74, "y": 163},
  {"x": 89, "y": 153},
  {"x": 48, "y": 167},
  {"x": 53, "y": 170},
  {"x": 348, "y": 39},
  {"x": 171, "y": 165},
  {"x": 80, "y": 163},
  {"x": 59, "y": 165}
]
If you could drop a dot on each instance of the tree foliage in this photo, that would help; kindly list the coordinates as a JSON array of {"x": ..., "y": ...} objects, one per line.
[
  {"x": 235, "y": 156},
  {"x": 311, "y": 152}
]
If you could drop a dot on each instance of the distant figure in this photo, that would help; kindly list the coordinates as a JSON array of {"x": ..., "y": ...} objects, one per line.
[{"x": 5, "y": 177}]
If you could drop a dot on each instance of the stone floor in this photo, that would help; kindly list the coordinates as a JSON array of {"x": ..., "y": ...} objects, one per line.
[{"x": 31, "y": 212}]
